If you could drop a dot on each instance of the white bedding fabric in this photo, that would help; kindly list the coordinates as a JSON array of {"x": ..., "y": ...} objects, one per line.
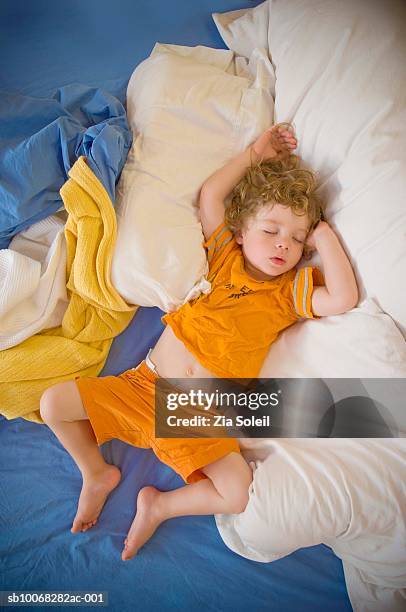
[
  {"x": 340, "y": 79},
  {"x": 348, "y": 494},
  {"x": 362, "y": 343},
  {"x": 190, "y": 110},
  {"x": 33, "y": 282}
]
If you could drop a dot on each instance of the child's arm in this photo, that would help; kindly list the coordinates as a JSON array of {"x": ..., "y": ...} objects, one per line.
[
  {"x": 273, "y": 142},
  {"x": 341, "y": 292}
]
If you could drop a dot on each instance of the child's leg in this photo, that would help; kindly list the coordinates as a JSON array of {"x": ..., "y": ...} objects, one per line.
[
  {"x": 224, "y": 491},
  {"x": 62, "y": 410}
]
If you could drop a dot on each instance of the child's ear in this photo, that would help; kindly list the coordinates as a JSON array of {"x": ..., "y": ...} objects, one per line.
[{"x": 238, "y": 237}]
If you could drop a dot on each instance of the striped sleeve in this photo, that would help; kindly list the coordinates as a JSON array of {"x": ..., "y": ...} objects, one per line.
[
  {"x": 219, "y": 245},
  {"x": 302, "y": 288}
]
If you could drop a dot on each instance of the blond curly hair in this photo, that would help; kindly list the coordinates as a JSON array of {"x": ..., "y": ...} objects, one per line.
[{"x": 276, "y": 181}]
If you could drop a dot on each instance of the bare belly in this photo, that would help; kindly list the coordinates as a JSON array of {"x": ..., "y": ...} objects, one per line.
[{"x": 172, "y": 359}]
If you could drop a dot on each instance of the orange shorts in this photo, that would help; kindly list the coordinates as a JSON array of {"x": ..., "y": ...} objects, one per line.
[{"x": 123, "y": 407}]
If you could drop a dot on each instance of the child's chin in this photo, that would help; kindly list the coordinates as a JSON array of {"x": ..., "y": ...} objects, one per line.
[{"x": 276, "y": 270}]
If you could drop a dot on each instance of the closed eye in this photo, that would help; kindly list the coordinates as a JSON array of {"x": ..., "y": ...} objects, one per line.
[{"x": 273, "y": 233}]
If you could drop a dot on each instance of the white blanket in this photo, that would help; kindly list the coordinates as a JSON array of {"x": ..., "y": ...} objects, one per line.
[{"x": 32, "y": 282}]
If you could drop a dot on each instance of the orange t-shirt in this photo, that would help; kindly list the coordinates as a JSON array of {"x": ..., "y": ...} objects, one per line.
[{"x": 230, "y": 329}]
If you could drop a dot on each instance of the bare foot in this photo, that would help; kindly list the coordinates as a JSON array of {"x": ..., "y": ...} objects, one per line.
[
  {"x": 93, "y": 496},
  {"x": 146, "y": 521}
]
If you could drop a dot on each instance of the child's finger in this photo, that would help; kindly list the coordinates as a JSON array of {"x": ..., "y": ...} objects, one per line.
[
  {"x": 287, "y": 139},
  {"x": 286, "y": 136},
  {"x": 285, "y": 132},
  {"x": 290, "y": 140}
]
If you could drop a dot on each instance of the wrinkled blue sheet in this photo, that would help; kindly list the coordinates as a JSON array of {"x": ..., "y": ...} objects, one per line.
[{"x": 41, "y": 138}]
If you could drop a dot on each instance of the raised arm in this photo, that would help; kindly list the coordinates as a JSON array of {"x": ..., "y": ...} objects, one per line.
[
  {"x": 341, "y": 292},
  {"x": 272, "y": 143}
]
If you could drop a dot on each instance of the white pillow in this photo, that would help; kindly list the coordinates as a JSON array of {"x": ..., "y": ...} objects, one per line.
[
  {"x": 340, "y": 79},
  {"x": 244, "y": 30},
  {"x": 190, "y": 112},
  {"x": 348, "y": 494},
  {"x": 362, "y": 343}
]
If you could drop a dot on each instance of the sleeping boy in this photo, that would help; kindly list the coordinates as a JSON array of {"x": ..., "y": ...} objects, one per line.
[{"x": 253, "y": 248}]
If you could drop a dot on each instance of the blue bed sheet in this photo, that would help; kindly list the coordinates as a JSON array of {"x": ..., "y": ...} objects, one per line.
[
  {"x": 40, "y": 140},
  {"x": 185, "y": 566},
  {"x": 46, "y": 46}
]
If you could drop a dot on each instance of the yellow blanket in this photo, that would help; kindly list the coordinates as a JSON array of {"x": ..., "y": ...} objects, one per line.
[{"x": 96, "y": 312}]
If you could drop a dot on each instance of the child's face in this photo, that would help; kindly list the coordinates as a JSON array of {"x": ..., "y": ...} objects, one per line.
[{"x": 272, "y": 241}]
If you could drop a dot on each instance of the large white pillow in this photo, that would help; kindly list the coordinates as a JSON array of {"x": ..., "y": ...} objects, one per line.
[
  {"x": 348, "y": 494},
  {"x": 362, "y": 343},
  {"x": 190, "y": 109},
  {"x": 340, "y": 78}
]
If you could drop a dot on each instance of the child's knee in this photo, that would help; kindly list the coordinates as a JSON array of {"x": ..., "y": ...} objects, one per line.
[
  {"x": 62, "y": 402},
  {"x": 232, "y": 478},
  {"x": 48, "y": 404},
  {"x": 238, "y": 494},
  {"x": 238, "y": 501}
]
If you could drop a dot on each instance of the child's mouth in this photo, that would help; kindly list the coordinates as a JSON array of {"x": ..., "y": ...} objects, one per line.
[{"x": 278, "y": 261}]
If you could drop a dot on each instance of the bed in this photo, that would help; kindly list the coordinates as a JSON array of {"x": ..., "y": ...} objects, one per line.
[{"x": 186, "y": 564}]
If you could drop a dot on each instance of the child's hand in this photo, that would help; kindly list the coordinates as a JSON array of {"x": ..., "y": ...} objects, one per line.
[
  {"x": 321, "y": 228},
  {"x": 276, "y": 142}
]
